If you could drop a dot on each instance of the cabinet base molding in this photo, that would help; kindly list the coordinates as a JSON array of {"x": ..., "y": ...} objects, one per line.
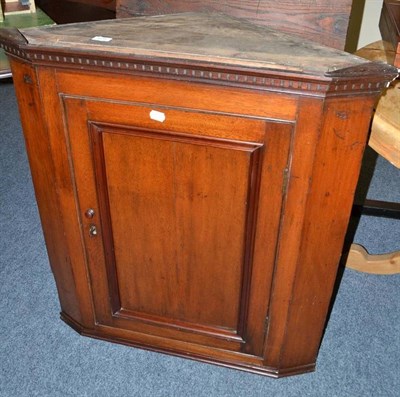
[{"x": 209, "y": 359}]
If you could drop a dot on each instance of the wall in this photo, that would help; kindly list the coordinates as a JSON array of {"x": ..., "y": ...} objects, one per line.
[
  {"x": 364, "y": 24},
  {"x": 369, "y": 31}
]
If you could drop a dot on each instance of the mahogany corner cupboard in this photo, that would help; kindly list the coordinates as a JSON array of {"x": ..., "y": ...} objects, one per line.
[{"x": 194, "y": 175}]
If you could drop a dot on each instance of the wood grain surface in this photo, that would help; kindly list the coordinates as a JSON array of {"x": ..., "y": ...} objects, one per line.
[
  {"x": 322, "y": 21},
  {"x": 385, "y": 264},
  {"x": 209, "y": 38},
  {"x": 389, "y": 25}
]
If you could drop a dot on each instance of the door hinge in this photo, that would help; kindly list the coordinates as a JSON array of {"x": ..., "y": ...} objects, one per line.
[
  {"x": 285, "y": 180},
  {"x": 266, "y": 323}
]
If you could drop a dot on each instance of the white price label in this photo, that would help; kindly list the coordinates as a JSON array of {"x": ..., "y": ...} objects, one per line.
[
  {"x": 101, "y": 38},
  {"x": 157, "y": 116}
]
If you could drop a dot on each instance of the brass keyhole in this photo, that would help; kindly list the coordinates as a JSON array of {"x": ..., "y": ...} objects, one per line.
[{"x": 92, "y": 231}]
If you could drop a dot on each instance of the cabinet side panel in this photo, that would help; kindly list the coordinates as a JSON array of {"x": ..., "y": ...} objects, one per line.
[
  {"x": 291, "y": 228},
  {"x": 64, "y": 184},
  {"x": 42, "y": 170},
  {"x": 336, "y": 169}
]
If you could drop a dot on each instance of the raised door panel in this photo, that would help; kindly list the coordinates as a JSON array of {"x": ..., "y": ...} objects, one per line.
[
  {"x": 172, "y": 202},
  {"x": 176, "y": 198}
]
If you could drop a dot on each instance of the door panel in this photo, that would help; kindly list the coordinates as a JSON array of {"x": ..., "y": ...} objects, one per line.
[
  {"x": 163, "y": 209},
  {"x": 174, "y": 252}
]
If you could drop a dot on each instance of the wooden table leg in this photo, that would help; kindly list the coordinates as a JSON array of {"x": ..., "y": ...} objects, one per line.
[
  {"x": 385, "y": 140},
  {"x": 359, "y": 259}
]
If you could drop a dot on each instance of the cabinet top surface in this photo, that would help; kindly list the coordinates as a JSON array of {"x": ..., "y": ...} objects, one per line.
[{"x": 195, "y": 37}]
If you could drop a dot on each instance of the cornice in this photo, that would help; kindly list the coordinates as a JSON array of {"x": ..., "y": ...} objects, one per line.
[{"x": 366, "y": 79}]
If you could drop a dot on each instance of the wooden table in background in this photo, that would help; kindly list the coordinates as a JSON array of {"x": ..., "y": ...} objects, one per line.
[
  {"x": 37, "y": 18},
  {"x": 385, "y": 140}
]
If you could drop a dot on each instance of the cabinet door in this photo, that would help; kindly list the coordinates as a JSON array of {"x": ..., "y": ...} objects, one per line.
[{"x": 186, "y": 205}]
